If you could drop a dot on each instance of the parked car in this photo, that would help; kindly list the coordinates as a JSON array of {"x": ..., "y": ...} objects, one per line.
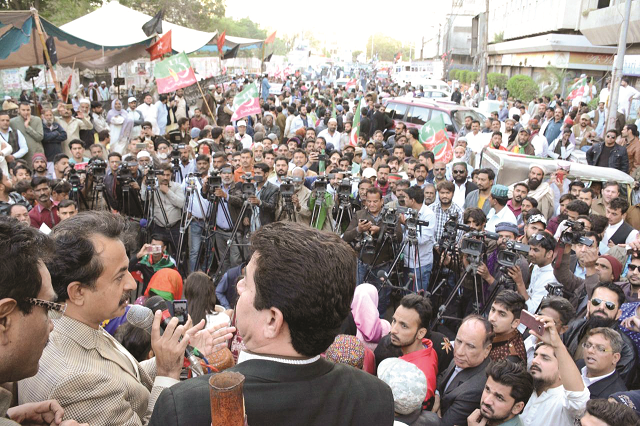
[{"x": 414, "y": 112}]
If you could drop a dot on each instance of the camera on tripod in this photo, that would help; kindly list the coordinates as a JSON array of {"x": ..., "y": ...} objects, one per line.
[
  {"x": 508, "y": 257},
  {"x": 366, "y": 245},
  {"x": 287, "y": 188},
  {"x": 411, "y": 220},
  {"x": 574, "y": 234},
  {"x": 123, "y": 173},
  {"x": 248, "y": 187},
  {"x": 73, "y": 177},
  {"x": 215, "y": 181},
  {"x": 450, "y": 232},
  {"x": 320, "y": 184},
  {"x": 97, "y": 168}
]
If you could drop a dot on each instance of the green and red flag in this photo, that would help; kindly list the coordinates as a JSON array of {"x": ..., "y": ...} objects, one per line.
[
  {"x": 578, "y": 88},
  {"x": 355, "y": 127},
  {"x": 174, "y": 73},
  {"x": 246, "y": 102},
  {"x": 433, "y": 135}
]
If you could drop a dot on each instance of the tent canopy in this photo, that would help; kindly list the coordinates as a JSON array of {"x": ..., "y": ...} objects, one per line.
[{"x": 20, "y": 45}]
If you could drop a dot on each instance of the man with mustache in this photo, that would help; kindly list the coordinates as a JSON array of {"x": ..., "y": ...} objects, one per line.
[
  {"x": 601, "y": 354},
  {"x": 603, "y": 310},
  {"x": 44, "y": 211},
  {"x": 505, "y": 395},
  {"x": 538, "y": 190},
  {"x": 558, "y": 398}
]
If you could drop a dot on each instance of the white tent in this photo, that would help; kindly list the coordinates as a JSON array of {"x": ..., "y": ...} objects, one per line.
[{"x": 114, "y": 25}]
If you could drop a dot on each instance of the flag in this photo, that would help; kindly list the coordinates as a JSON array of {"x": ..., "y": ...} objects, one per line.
[
  {"x": 51, "y": 49},
  {"x": 351, "y": 84},
  {"x": 398, "y": 57},
  {"x": 154, "y": 26},
  {"x": 174, "y": 73},
  {"x": 66, "y": 88},
  {"x": 160, "y": 47},
  {"x": 271, "y": 38},
  {"x": 268, "y": 58},
  {"x": 231, "y": 53},
  {"x": 355, "y": 127},
  {"x": 433, "y": 135},
  {"x": 221, "y": 39},
  {"x": 577, "y": 89},
  {"x": 246, "y": 102}
]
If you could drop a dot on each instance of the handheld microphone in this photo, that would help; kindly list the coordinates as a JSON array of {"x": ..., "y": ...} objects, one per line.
[
  {"x": 143, "y": 223},
  {"x": 142, "y": 317}
]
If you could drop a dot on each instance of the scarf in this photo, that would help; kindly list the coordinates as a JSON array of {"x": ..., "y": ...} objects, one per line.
[
  {"x": 364, "y": 308},
  {"x": 166, "y": 283},
  {"x": 127, "y": 125},
  {"x": 164, "y": 262}
]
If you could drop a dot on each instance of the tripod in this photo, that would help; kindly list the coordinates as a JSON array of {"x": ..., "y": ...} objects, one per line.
[
  {"x": 126, "y": 200},
  {"x": 441, "y": 310},
  {"x": 187, "y": 218},
  {"x": 317, "y": 207},
  {"x": 212, "y": 216},
  {"x": 149, "y": 210},
  {"x": 344, "y": 210},
  {"x": 77, "y": 196},
  {"x": 219, "y": 271},
  {"x": 387, "y": 237},
  {"x": 288, "y": 210},
  {"x": 98, "y": 189}
]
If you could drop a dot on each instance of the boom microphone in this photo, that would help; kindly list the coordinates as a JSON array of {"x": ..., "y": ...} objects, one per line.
[{"x": 142, "y": 317}]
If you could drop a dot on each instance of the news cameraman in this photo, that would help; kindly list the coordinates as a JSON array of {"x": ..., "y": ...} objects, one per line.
[
  {"x": 542, "y": 246},
  {"x": 425, "y": 239},
  {"x": 170, "y": 197},
  {"x": 229, "y": 197},
  {"x": 367, "y": 228},
  {"x": 294, "y": 208}
]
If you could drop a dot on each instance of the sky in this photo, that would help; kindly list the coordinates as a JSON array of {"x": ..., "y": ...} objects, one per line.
[{"x": 346, "y": 21}]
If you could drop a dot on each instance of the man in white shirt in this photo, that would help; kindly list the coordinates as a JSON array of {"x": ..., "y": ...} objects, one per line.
[
  {"x": 541, "y": 255},
  {"x": 242, "y": 135},
  {"x": 150, "y": 113},
  {"x": 626, "y": 95},
  {"x": 601, "y": 353},
  {"x": 618, "y": 232},
  {"x": 331, "y": 134},
  {"x": 419, "y": 263},
  {"x": 477, "y": 140},
  {"x": 499, "y": 212},
  {"x": 557, "y": 399}
]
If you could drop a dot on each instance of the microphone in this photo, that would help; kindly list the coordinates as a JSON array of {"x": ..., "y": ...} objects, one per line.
[
  {"x": 156, "y": 303},
  {"x": 143, "y": 223},
  {"x": 383, "y": 277},
  {"x": 142, "y": 317}
]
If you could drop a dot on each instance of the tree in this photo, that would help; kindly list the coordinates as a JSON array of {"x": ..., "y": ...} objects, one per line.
[
  {"x": 386, "y": 48},
  {"x": 355, "y": 54},
  {"x": 522, "y": 87},
  {"x": 193, "y": 14},
  {"x": 554, "y": 80},
  {"x": 496, "y": 79}
]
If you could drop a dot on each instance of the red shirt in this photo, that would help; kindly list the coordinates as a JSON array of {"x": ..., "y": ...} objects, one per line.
[
  {"x": 516, "y": 212},
  {"x": 39, "y": 215},
  {"x": 199, "y": 123},
  {"x": 426, "y": 360}
]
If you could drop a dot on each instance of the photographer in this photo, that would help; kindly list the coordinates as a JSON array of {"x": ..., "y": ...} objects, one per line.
[
  {"x": 368, "y": 228},
  {"x": 541, "y": 251},
  {"x": 424, "y": 235},
  {"x": 170, "y": 198},
  {"x": 263, "y": 201},
  {"x": 229, "y": 197},
  {"x": 299, "y": 200}
]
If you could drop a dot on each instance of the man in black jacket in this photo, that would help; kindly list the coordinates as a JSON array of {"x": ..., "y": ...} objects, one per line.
[
  {"x": 285, "y": 327},
  {"x": 601, "y": 354},
  {"x": 461, "y": 385},
  {"x": 603, "y": 310},
  {"x": 609, "y": 153}
]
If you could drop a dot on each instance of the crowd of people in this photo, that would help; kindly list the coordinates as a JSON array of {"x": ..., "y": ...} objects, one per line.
[{"x": 349, "y": 282}]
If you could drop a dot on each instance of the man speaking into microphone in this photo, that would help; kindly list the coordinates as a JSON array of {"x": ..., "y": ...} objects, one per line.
[{"x": 93, "y": 377}]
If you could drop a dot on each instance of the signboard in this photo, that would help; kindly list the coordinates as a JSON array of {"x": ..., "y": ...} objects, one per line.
[
  {"x": 631, "y": 65},
  {"x": 275, "y": 89}
]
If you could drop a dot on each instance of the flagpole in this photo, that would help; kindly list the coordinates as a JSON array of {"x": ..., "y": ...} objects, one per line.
[
  {"x": 204, "y": 101},
  {"x": 46, "y": 52},
  {"x": 72, "y": 69}
]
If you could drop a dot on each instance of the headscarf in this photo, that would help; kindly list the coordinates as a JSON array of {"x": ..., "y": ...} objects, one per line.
[
  {"x": 347, "y": 350},
  {"x": 364, "y": 308},
  {"x": 127, "y": 125},
  {"x": 166, "y": 283}
]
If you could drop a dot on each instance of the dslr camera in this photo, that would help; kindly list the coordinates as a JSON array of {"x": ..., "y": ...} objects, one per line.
[{"x": 574, "y": 234}]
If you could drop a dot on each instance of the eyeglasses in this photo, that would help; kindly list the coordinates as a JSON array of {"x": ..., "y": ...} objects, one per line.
[
  {"x": 633, "y": 267},
  {"x": 458, "y": 172},
  {"x": 598, "y": 348},
  {"x": 537, "y": 237},
  {"x": 611, "y": 136},
  {"x": 54, "y": 310},
  {"x": 609, "y": 305},
  {"x": 439, "y": 170}
]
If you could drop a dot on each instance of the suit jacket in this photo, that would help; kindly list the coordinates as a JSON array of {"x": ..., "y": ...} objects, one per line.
[
  {"x": 606, "y": 387},
  {"x": 320, "y": 393},
  {"x": 463, "y": 394},
  {"x": 83, "y": 369}
]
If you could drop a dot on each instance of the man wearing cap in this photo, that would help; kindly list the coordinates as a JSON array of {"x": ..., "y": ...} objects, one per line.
[
  {"x": 135, "y": 116},
  {"x": 331, "y": 134},
  {"x": 609, "y": 153},
  {"x": 509, "y": 133},
  {"x": 540, "y": 191},
  {"x": 499, "y": 212},
  {"x": 582, "y": 129},
  {"x": 8, "y": 104},
  {"x": 522, "y": 143},
  {"x": 31, "y": 127},
  {"x": 242, "y": 135}
]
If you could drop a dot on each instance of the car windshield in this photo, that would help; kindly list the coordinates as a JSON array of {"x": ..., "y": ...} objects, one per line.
[{"x": 458, "y": 117}]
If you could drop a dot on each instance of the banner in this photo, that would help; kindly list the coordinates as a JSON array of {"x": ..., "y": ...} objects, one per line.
[
  {"x": 161, "y": 47},
  {"x": 220, "y": 43},
  {"x": 355, "y": 128},
  {"x": 577, "y": 89},
  {"x": 433, "y": 136},
  {"x": 174, "y": 73},
  {"x": 246, "y": 102}
]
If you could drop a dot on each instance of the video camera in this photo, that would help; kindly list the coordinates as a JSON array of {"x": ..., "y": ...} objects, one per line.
[
  {"x": 509, "y": 256},
  {"x": 574, "y": 234},
  {"x": 554, "y": 289},
  {"x": 473, "y": 246},
  {"x": 411, "y": 220},
  {"x": 450, "y": 232},
  {"x": 248, "y": 187},
  {"x": 97, "y": 168},
  {"x": 123, "y": 173},
  {"x": 73, "y": 177},
  {"x": 320, "y": 184},
  {"x": 287, "y": 189},
  {"x": 366, "y": 245},
  {"x": 215, "y": 181}
]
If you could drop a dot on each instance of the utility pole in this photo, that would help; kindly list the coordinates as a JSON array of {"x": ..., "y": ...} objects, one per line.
[
  {"x": 422, "y": 49},
  {"x": 484, "y": 58},
  {"x": 617, "y": 69}
]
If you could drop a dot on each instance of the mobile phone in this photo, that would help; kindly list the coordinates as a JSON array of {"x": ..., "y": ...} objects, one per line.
[
  {"x": 141, "y": 146},
  {"x": 531, "y": 322},
  {"x": 178, "y": 309},
  {"x": 154, "y": 249}
]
